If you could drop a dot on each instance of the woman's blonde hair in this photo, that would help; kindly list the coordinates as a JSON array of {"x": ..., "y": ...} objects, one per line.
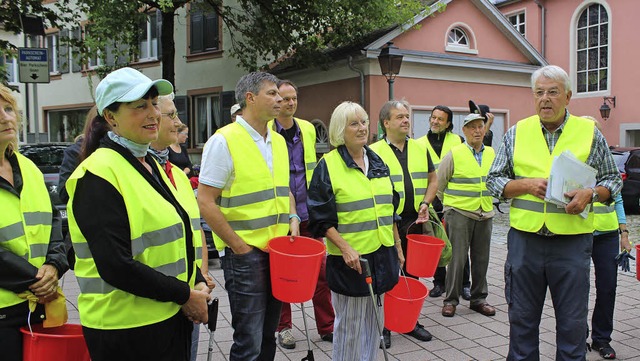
[
  {"x": 339, "y": 119},
  {"x": 6, "y": 94}
]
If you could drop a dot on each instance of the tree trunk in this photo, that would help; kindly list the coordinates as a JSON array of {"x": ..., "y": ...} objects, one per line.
[{"x": 168, "y": 47}]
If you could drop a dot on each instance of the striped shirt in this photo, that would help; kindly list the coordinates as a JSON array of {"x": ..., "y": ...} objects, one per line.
[{"x": 600, "y": 158}]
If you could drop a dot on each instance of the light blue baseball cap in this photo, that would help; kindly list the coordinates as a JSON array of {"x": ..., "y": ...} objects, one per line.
[{"x": 127, "y": 85}]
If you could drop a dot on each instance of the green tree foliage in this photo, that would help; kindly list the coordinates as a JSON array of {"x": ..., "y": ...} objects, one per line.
[
  {"x": 262, "y": 31},
  {"x": 10, "y": 21}
]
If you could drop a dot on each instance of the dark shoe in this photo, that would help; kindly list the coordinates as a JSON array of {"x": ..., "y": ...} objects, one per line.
[
  {"x": 386, "y": 335},
  {"x": 437, "y": 291},
  {"x": 606, "y": 351},
  {"x": 466, "y": 293},
  {"x": 448, "y": 310},
  {"x": 484, "y": 308},
  {"x": 328, "y": 337},
  {"x": 420, "y": 333}
]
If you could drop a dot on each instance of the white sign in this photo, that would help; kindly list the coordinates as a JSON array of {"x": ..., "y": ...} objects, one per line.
[{"x": 33, "y": 65}]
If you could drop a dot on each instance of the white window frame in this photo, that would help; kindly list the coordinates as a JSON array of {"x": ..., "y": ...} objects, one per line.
[
  {"x": 53, "y": 51},
  {"x": 516, "y": 16},
  {"x": 574, "y": 51},
  {"x": 12, "y": 70},
  {"x": 456, "y": 47},
  {"x": 150, "y": 44},
  {"x": 210, "y": 116}
]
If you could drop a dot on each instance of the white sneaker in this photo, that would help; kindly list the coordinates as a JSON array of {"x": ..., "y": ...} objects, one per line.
[{"x": 286, "y": 339}]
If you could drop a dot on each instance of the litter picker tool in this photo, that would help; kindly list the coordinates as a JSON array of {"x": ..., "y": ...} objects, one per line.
[
  {"x": 211, "y": 325},
  {"x": 364, "y": 263}
]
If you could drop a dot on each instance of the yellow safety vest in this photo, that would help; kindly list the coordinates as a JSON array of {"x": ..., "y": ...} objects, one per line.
[
  {"x": 364, "y": 206},
  {"x": 467, "y": 188},
  {"x": 418, "y": 169},
  {"x": 531, "y": 159},
  {"x": 186, "y": 197},
  {"x": 605, "y": 217},
  {"x": 157, "y": 240},
  {"x": 256, "y": 205},
  {"x": 308, "y": 134},
  {"x": 25, "y": 224},
  {"x": 450, "y": 141}
]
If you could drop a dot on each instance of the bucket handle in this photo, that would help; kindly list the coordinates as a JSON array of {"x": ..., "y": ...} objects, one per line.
[{"x": 428, "y": 220}]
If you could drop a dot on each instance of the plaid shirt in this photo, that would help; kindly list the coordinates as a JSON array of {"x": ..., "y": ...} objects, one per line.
[{"x": 600, "y": 158}]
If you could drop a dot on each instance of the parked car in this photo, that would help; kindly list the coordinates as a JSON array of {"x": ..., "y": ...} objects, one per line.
[
  {"x": 48, "y": 158},
  {"x": 628, "y": 162}
]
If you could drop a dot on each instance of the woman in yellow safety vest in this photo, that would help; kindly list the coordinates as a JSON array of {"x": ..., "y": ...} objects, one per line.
[
  {"x": 135, "y": 237},
  {"x": 32, "y": 253},
  {"x": 352, "y": 203}
]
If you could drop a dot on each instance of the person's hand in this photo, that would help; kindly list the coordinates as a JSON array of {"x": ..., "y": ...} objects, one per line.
[
  {"x": 352, "y": 259},
  {"x": 210, "y": 284},
  {"x": 625, "y": 244},
  {"x": 196, "y": 307},
  {"x": 204, "y": 286},
  {"x": 244, "y": 248},
  {"x": 187, "y": 170},
  {"x": 537, "y": 187},
  {"x": 423, "y": 213},
  {"x": 580, "y": 199},
  {"x": 294, "y": 226},
  {"x": 490, "y": 118},
  {"x": 46, "y": 288}
]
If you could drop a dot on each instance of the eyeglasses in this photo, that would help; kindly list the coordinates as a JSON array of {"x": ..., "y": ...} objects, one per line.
[
  {"x": 184, "y": 133},
  {"x": 553, "y": 93},
  {"x": 172, "y": 115}
]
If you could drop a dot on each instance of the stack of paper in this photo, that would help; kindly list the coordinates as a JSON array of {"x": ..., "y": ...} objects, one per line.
[{"x": 568, "y": 173}]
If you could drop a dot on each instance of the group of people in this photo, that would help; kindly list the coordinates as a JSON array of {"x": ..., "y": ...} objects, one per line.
[{"x": 134, "y": 220}]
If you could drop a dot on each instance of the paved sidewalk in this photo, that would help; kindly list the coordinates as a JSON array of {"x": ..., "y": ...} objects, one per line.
[{"x": 467, "y": 336}]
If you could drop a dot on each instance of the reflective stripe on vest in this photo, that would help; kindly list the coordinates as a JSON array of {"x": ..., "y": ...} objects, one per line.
[
  {"x": 605, "y": 218},
  {"x": 531, "y": 159},
  {"x": 416, "y": 160},
  {"x": 364, "y": 207},
  {"x": 450, "y": 141},
  {"x": 256, "y": 205},
  {"x": 467, "y": 188},
  {"x": 158, "y": 241},
  {"x": 25, "y": 222}
]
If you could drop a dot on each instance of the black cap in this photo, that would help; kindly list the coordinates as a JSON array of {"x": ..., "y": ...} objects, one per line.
[{"x": 479, "y": 109}]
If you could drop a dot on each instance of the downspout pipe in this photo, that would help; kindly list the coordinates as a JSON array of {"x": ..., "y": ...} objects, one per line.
[
  {"x": 543, "y": 26},
  {"x": 359, "y": 71}
]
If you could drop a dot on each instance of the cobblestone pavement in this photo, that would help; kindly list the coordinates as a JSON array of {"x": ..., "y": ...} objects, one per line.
[{"x": 467, "y": 336}]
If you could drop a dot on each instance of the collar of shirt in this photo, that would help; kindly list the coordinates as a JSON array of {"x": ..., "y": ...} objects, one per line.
[
  {"x": 252, "y": 132},
  {"x": 561, "y": 127},
  {"x": 477, "y": 155},
  {"x": 282, "y": 131}
]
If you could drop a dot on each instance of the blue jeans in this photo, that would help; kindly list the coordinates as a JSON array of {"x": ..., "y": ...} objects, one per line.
[
  {"x": 254, "y": 311},
  {"x": 605, "y": 249},
  {"x": 561, "y": 264}
]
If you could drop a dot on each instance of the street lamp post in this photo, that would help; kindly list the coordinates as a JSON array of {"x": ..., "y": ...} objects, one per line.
[{"x": 390, "y": 60}]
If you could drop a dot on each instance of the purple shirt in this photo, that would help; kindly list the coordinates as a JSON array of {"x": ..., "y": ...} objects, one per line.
[{"x": 297, "y": 174}]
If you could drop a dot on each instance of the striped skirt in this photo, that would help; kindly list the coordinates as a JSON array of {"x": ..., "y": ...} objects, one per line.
[{"x": 355, "y": 331}]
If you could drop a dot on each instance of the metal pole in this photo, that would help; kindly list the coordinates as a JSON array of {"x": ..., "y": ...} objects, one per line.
[{"x": 390, "y": 81}]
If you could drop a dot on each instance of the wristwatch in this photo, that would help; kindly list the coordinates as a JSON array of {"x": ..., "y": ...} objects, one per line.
[
  {"x": 424, "y": 202},
  {"x": 621, "y": 231},
  {"x": 595, "y": 196}
]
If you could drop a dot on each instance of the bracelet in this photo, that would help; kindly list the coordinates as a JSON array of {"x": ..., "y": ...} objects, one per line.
[
  {"x": 291, "y": 216},
  {"x": 398, "y": 241},
  {"x": 424, "y": 202}
]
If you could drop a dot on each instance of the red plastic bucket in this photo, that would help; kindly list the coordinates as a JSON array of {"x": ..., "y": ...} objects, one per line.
[
  {"x": 53, "y": 344},
  {"x": 638, "y": 262},
  {"x": 295, "y": 267},
  {"x": 423, "y": 254},
  {"x": 403, "y": 303}
]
